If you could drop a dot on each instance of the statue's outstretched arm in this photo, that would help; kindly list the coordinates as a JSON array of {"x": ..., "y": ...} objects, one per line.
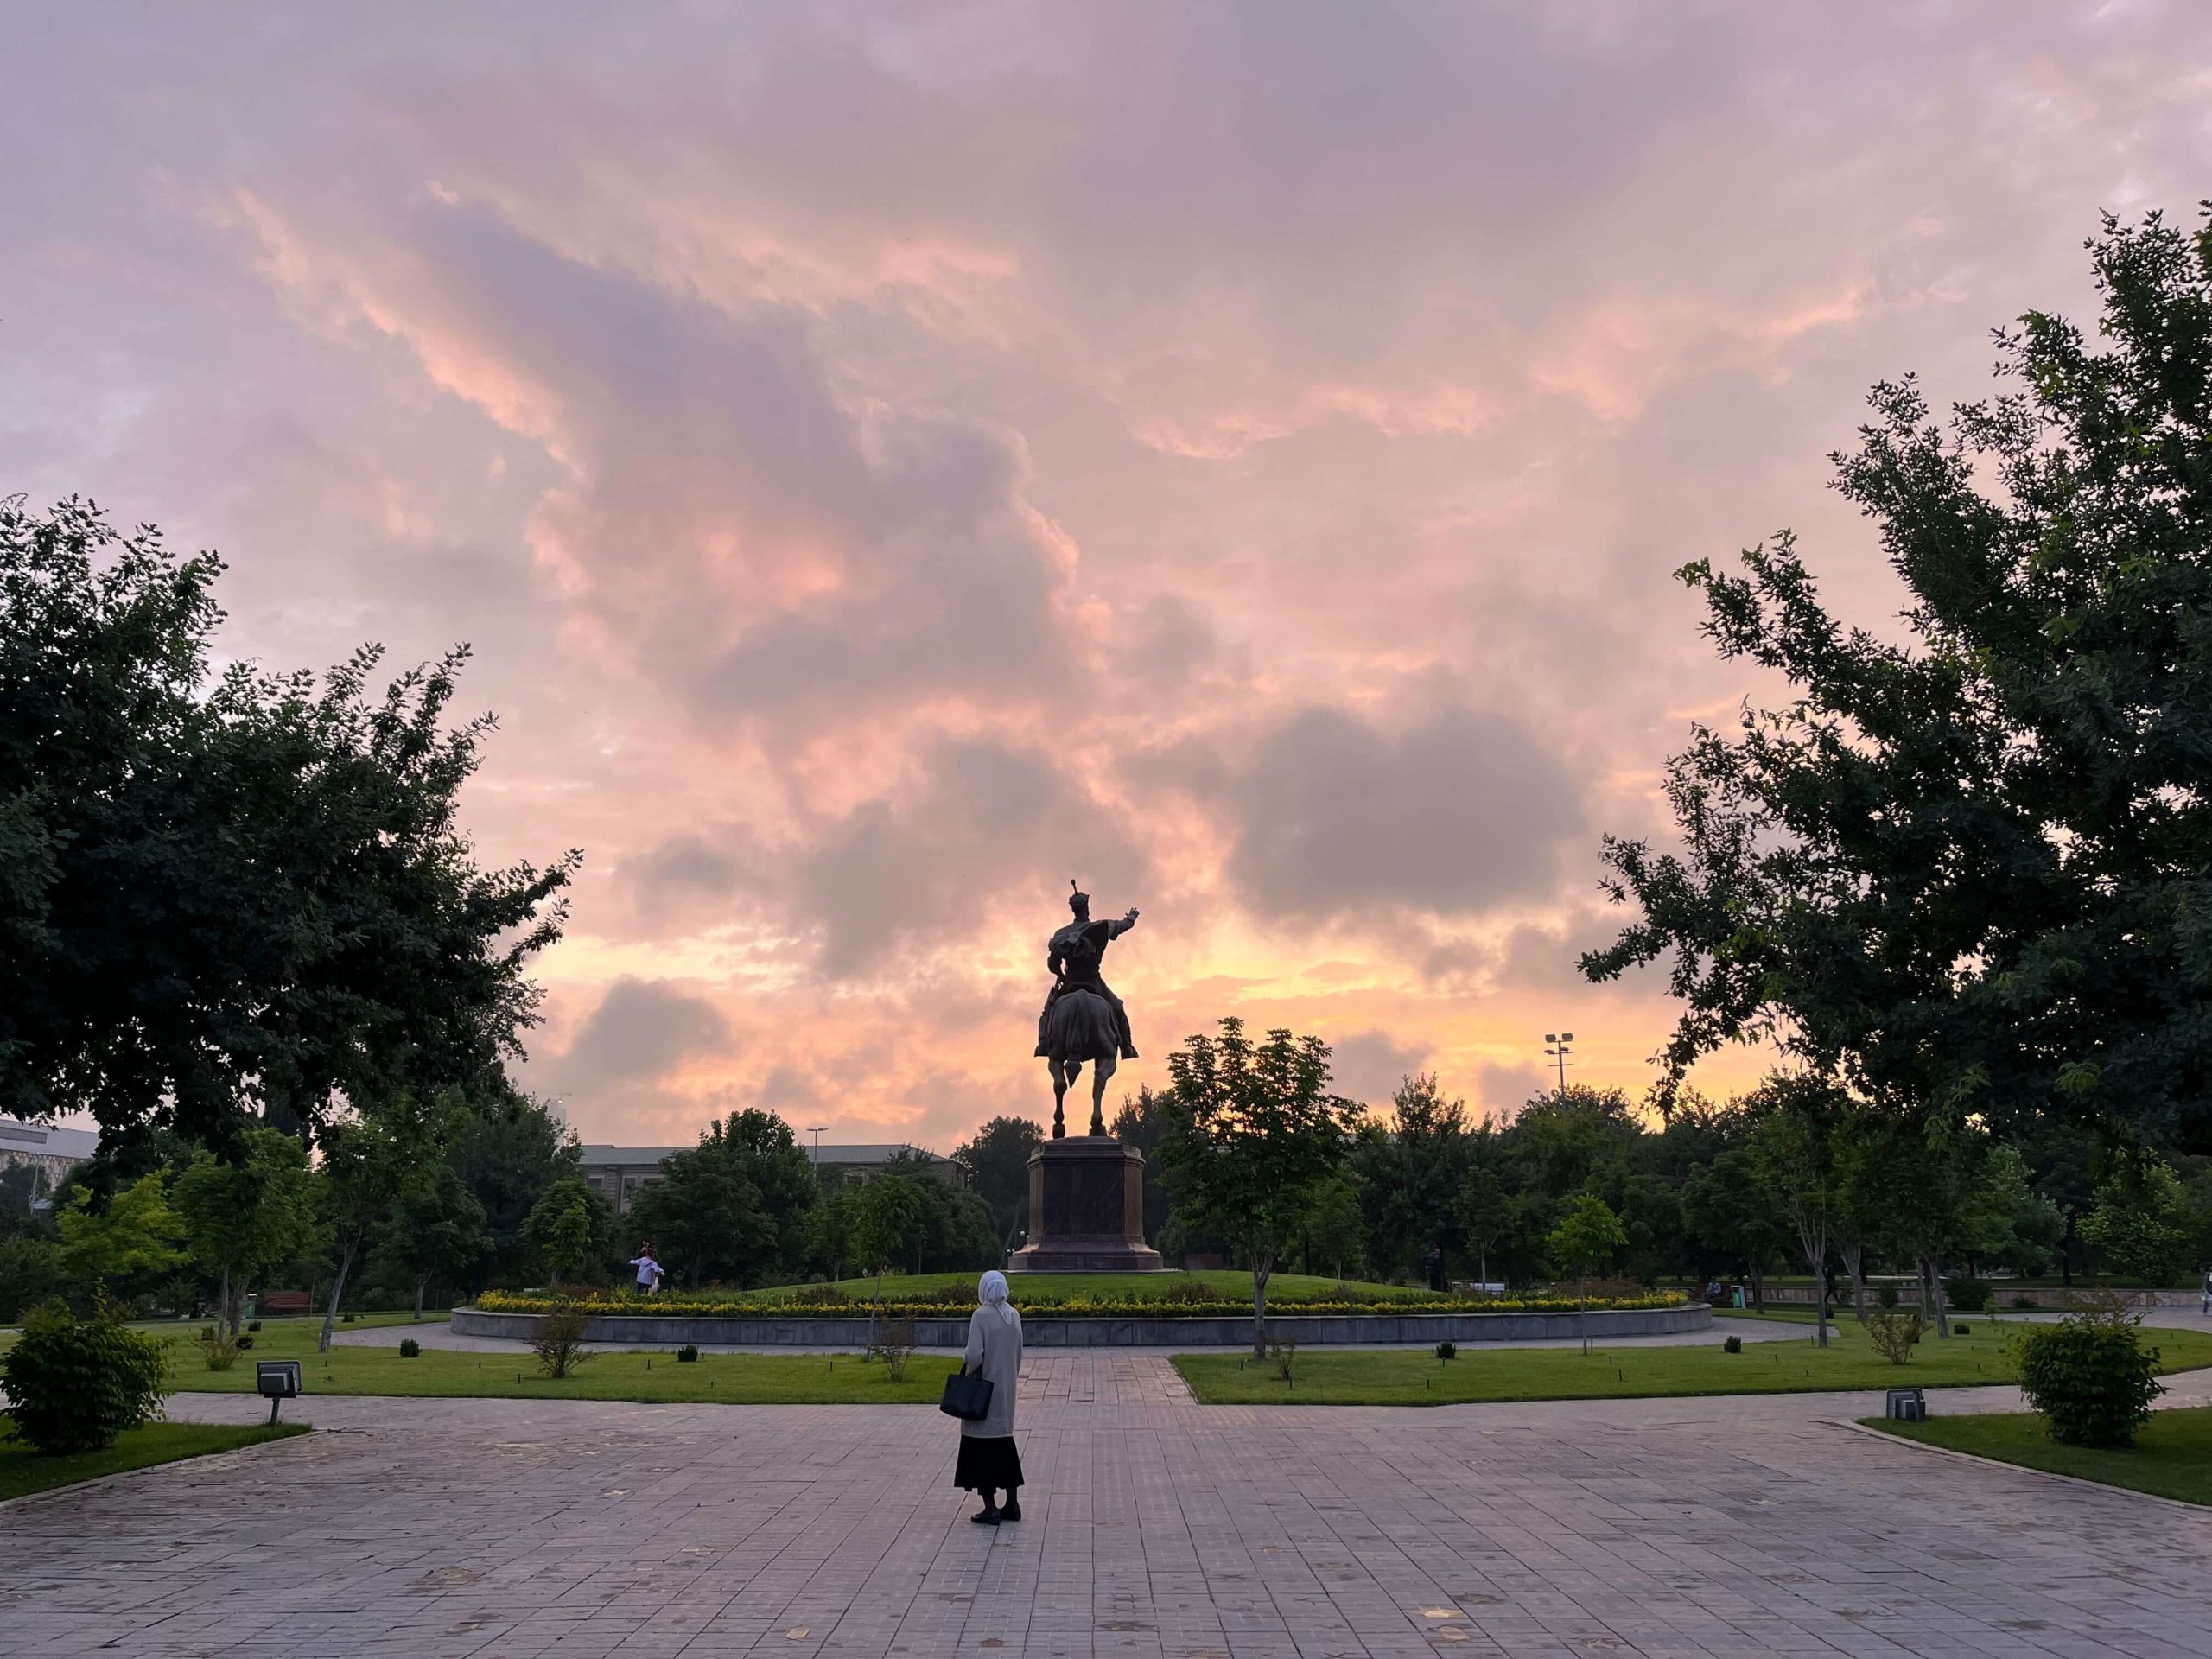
[{"x": 1115, "y": 930}]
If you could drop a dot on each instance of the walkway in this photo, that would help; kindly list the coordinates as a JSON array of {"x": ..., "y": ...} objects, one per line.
[{"x": 1684, "y": 1529}]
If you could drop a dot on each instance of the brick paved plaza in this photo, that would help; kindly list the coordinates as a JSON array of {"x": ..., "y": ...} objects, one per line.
[{"x": 1155, "y": 1526}]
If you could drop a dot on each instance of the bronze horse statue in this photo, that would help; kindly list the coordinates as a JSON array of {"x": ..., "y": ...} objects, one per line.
[{"x": 1080, "y": 1026}]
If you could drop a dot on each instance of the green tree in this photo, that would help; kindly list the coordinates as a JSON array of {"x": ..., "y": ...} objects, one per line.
[
  {"x": 1589, "y": 1236},
  {"x": 1734, "y": 1214},
  {"x": 236, "y": 890},
  {"x": 133, "y": 1238},
  {"x": 1408, "y": 1173},
  {"x": 571, "y": 1226},
  {"x": 508, "y": 1148},
  {"x": 997, "y": 1160},
  {"x": 1485, "y": 1208},
  {"x": 1142, "y": 1122},
  {"x": 1793, "y": 1153},
  {"x": 830, "y": 1227},
  {"x": 368, "y": 1161},
  {"x": 704, "y": 1216},
  {"x": 434, "y": 1228},
  {"x": 1964, "y": 872},
  {"x": 1335, "y": 1232},
  {"x": 241, "y": 1215},
  {"x": 2141, "y": 1221},
  {"x": 884, "y": 1213},
  {"x": 1253, "y": 1137}
]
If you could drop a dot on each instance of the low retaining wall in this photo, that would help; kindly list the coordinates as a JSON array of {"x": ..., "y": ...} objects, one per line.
[{"x": 1162, "y": 1331}]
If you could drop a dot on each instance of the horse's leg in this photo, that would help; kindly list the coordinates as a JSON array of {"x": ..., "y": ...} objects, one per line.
[
  {"x": 1100, "y": 1071},
  {"x": 1060, "y": 1095}
]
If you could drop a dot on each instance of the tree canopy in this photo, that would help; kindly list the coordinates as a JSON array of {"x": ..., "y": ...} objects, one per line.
[{"x": 1969, "y": 869}]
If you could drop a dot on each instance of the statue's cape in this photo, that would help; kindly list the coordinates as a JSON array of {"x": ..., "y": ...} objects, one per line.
[{"x": 1094, "y": 934}]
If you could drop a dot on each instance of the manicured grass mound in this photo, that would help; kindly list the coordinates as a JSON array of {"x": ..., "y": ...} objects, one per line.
[
  {"x": 2171, "y": 1456},
  {"x": 1411, "y": 1377},
  {"x": 1216, "y": 1294},
  {"x": 22, "y": 1471}
]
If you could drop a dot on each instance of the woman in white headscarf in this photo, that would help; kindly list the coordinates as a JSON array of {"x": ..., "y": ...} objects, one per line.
[{"x": 988, "y": 1463}]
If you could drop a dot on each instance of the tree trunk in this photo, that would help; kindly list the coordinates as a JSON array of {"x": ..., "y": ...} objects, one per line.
[
  {"x": 1758, "y": 1290},
  {"x": 1482, "y": 1266},
  {"x": 1582, "y": 1297},
  {"x": 1854, "y": 1261},
  {"x": 223, "y": 1320},
  {"x": 337, "y": 1290},
  {"x": 419, "y": 1284},
  {"x": 1263, "y": 1265},
  {"x": 1931, "y": 1295}
]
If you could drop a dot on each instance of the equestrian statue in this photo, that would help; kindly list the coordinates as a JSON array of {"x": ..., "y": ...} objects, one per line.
[{"x": 1082, "y": 1018}]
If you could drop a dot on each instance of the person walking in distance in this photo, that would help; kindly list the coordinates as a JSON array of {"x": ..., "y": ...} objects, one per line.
[
  {"x": 649, "y": 1273},
  {"x": 988, "y": 1462}
]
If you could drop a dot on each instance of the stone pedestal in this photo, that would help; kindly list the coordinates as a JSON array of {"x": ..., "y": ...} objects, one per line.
[{"x": 1086, "y": 1208}]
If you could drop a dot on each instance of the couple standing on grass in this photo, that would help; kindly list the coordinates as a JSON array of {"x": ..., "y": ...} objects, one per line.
[{"x": 988, "y": 1462}]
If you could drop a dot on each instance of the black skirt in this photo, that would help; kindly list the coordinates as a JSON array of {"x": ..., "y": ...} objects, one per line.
[{"x": 988, "y": 1464}]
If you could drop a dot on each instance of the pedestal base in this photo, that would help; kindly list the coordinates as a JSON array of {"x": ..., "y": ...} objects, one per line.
[{"x": 1086, "y": 1210}]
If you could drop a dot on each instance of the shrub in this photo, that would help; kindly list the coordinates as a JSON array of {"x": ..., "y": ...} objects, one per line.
[
  {"x": 1961, "y": 1328},
  {"x": 409, "y": 1349},
  {"x": 894, "y": 1345},
  {"x": 559, "y": 1344},
  {"x": 1967, "y": 1296},
  {"x": 30, "y": 1272},
  {"x": 218, "y": 1348},
  {"x": 346, "y": 1319},
  {"x": 253, "y": 1324},
  {"x": 75, "y": 1384},
  {"x": 1447, "y": 1349},
  {"x": 1733, "y": 1345},
  {"x": 2092, "y": 1379},
  {"x": 687, "y": 1354},
  {"x": 1893, "y": 1330},
  {"x": 2025, "y": 1302},
  {"x": 245, "y": 1341},
  {"x": 1284, "y": 1356}
]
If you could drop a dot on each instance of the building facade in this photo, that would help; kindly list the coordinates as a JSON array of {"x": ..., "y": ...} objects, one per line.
[
  {"x": 617, "y": 1172},
  {"x": 52, "y": 1152}
]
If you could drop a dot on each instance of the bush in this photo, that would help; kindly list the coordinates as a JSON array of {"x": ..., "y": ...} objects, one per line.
[
  {"x": 75, "y": 1384},
  {"x": 1961, "y": 1328},
  {"x": 2024, "y": 1302},
  {"x": 1284, "y": 1356},
  {"x": 1733, "y": 1345},
  {"x": 1894, "y": 1330},
  {"x": 1447, "y": 1349},
  {"x": 1967, "y": 1296},
  {"x": 559, "y": 1344},
  {"x": 253, "y": 1324},
  {"x": 30, "y": 1272},
  {"x": 218, "y": 1348},
  {"x": 245, "y": 1341},
  {"x": 895, "y": 1342},
  {"x": 687, "y": 1354},
  {"x": 344, "y": 1318},
  {"x": 2092, "y": 1379},
  {"x": 409, "y": 1349}
]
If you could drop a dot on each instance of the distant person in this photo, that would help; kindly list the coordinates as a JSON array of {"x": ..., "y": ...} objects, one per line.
[
  {"x": 649, "y": 1273},
  {"x": 989, "y": 1461},
  {"x": 2207, "y": 1307}
]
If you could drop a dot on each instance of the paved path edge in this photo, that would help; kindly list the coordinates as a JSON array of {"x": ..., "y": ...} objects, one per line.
[
  {"x": 2202, "y": 1511},
  {"x": 120, "y": 1475}
]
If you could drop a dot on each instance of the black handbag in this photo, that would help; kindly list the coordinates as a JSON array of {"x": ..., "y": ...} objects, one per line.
[{"x": 967, "y": 1396}]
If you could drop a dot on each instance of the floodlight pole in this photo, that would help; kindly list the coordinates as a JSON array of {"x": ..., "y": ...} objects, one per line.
[
  {"x": 814, "y": 1159},
  {"x": 1562, "y": 1047}
]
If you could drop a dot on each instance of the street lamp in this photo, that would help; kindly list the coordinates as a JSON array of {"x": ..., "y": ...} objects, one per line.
[
  {"x": 815, "y": 1158},
  {"x": 1560, "y": 1041}
]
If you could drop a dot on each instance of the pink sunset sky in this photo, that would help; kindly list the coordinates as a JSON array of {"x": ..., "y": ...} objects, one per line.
[{"x": 890, "y": 460}]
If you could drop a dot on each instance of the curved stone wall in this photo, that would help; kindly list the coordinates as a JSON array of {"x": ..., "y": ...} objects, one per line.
[{"x": 1162, "y": 1331}]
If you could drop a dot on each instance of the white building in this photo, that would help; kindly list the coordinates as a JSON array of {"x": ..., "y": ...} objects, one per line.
[
  {"x": 617, "y": 1172},
  {"x": 52, "y": 1152}
]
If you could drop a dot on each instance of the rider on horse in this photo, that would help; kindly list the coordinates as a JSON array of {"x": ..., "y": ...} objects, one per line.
[{"x": 1075, "y": 955}]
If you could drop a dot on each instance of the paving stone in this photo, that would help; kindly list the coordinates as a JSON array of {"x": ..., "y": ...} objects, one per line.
[{"x": 1154, "y": 1529}]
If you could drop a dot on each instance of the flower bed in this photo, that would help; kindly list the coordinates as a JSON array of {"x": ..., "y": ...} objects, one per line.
[{"x": 742, "y": 1306}]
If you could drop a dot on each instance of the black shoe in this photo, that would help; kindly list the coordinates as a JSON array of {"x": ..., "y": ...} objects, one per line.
[
  {"x": 986, "y": 1518},
  {"x": 1012, "y": 1512}
]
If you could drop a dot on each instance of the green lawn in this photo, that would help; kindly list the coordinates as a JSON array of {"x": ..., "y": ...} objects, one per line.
[
  {"x": 1412, "y": 1378},
  {"x": 22, "y": 1471},
  {"x": 2172, "y": 1456},
  {"x": 648, "y": 1378}
]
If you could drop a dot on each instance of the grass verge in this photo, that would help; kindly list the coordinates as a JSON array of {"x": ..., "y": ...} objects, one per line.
[
  {"x": 2171, "y": 1456},
  {"x": 22, "y": 1471},
  {"x": 1411, "y": 1377}
]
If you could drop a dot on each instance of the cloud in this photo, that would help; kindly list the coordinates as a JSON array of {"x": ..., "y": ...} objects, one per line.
[
  {"x": 1459, "y": 812},
  {"x": 1369, "y": 1065},
  {"x": 640, "y": 1033}
]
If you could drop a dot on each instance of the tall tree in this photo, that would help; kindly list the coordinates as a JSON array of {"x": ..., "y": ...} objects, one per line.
[
  {"x": 1588, "y": 1237},
  {"x": 240, "y": 1216},
  {"x": 131, "y": 1239},
  {"x": 1793, "y": 1152},
  {"x": 1966, "y": 871},
  {"x": 508, "y": 1148},
  {"x": 227, "y": 896},
  {"x": 368, "y": 1161},
  {"x": 571, "y": 1226},
  {"x": 1735, "y": 1215},
  {"x": 1254, "y": 1134},
  {"x": 433, "y": 1230},
  {"x": 997, "y": 1160}
]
